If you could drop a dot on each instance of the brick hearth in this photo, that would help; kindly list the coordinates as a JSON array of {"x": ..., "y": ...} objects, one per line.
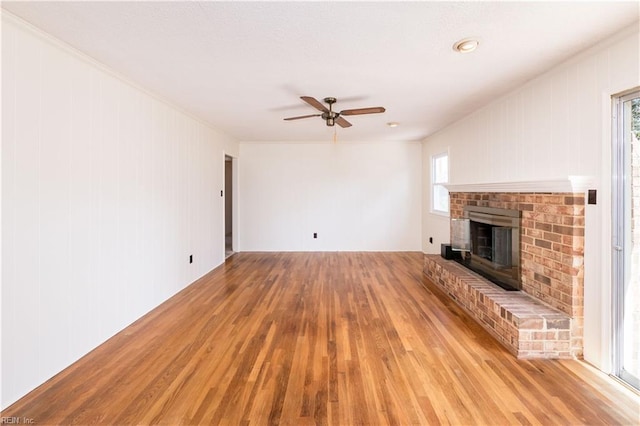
[
  {"x": 524, "y": 325},
  {"x": 551, "y": 250}
]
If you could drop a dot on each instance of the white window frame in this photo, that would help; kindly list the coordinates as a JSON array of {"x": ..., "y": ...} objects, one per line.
[
  {"x": 436, "y": 184},
  {"x": 621, "y": 237}
]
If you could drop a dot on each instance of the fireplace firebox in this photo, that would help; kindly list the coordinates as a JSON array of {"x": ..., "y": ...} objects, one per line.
[{"x": 489, "y": 241}]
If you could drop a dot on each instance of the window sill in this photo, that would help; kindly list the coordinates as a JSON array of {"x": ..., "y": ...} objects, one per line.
[{"x": 439, "y": 213}]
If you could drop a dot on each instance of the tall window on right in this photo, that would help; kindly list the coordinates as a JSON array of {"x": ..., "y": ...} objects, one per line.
[
  {"x": 440, "y": 177},
  {"x": 626, "y": 237}
]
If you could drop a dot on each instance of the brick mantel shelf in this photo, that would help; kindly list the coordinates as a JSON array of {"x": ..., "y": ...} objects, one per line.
[{"x": 568, "y": 184}]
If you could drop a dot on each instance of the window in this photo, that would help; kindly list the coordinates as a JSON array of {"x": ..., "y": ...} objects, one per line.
[{"x": 439, "y": 177}]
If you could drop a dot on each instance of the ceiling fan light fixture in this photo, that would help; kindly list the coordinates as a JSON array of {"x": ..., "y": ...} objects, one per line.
[{"x": 466, "y": 45}]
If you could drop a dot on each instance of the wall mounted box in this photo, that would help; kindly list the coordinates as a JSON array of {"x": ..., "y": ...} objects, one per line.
[{"x": 448, "y": 253}]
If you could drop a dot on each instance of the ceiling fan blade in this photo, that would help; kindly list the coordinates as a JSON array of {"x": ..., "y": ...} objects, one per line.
[
  {"x": 359, "y": 111},
  {"x": 302, "y": 116},
  {"x": 342, "y": 122},
  {"x": 314, "y": 103}
]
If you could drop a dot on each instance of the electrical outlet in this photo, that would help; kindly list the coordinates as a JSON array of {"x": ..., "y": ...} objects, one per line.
[
  {"x": 430, "y": 240},
  {"x": 315, "y": 235},
  {"x": 190, "y": 258}
]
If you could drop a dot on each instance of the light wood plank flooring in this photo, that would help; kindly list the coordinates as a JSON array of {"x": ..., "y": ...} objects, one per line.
[{"x": 319, "y": 338}]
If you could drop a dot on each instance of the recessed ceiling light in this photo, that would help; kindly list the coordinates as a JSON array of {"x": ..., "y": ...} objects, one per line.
[
  {"x": 466, "y": 45},
  {"x": 393, "y": 124}
]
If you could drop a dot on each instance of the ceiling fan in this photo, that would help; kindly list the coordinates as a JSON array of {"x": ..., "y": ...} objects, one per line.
[{"x": 330, "y": 116}]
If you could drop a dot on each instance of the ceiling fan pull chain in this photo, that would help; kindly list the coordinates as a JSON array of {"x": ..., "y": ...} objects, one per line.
[{"x": 335, "y": 135}]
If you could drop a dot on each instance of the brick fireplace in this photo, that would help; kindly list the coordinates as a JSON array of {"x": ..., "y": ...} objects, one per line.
[{"x": 551, "y": 255}]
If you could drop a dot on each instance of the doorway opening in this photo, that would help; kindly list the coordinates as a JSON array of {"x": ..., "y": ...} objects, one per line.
[{"x": 228, "y": 206}]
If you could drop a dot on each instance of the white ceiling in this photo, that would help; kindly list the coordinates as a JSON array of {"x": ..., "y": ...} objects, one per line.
[{"x": 242, "y": 66}]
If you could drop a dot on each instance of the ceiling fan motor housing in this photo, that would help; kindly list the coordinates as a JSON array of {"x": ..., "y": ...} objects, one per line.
[{"x": 330, "y": 117}]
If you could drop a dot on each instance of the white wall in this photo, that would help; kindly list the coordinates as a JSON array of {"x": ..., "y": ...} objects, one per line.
[
  {"x": 556, "y": 126},
  {"x": 106, "y": 191},
  {"x": 356, "y": 196}
]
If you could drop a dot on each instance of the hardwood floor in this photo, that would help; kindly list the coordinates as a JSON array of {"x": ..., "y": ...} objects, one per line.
[{"x": 318, "y": 338}]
